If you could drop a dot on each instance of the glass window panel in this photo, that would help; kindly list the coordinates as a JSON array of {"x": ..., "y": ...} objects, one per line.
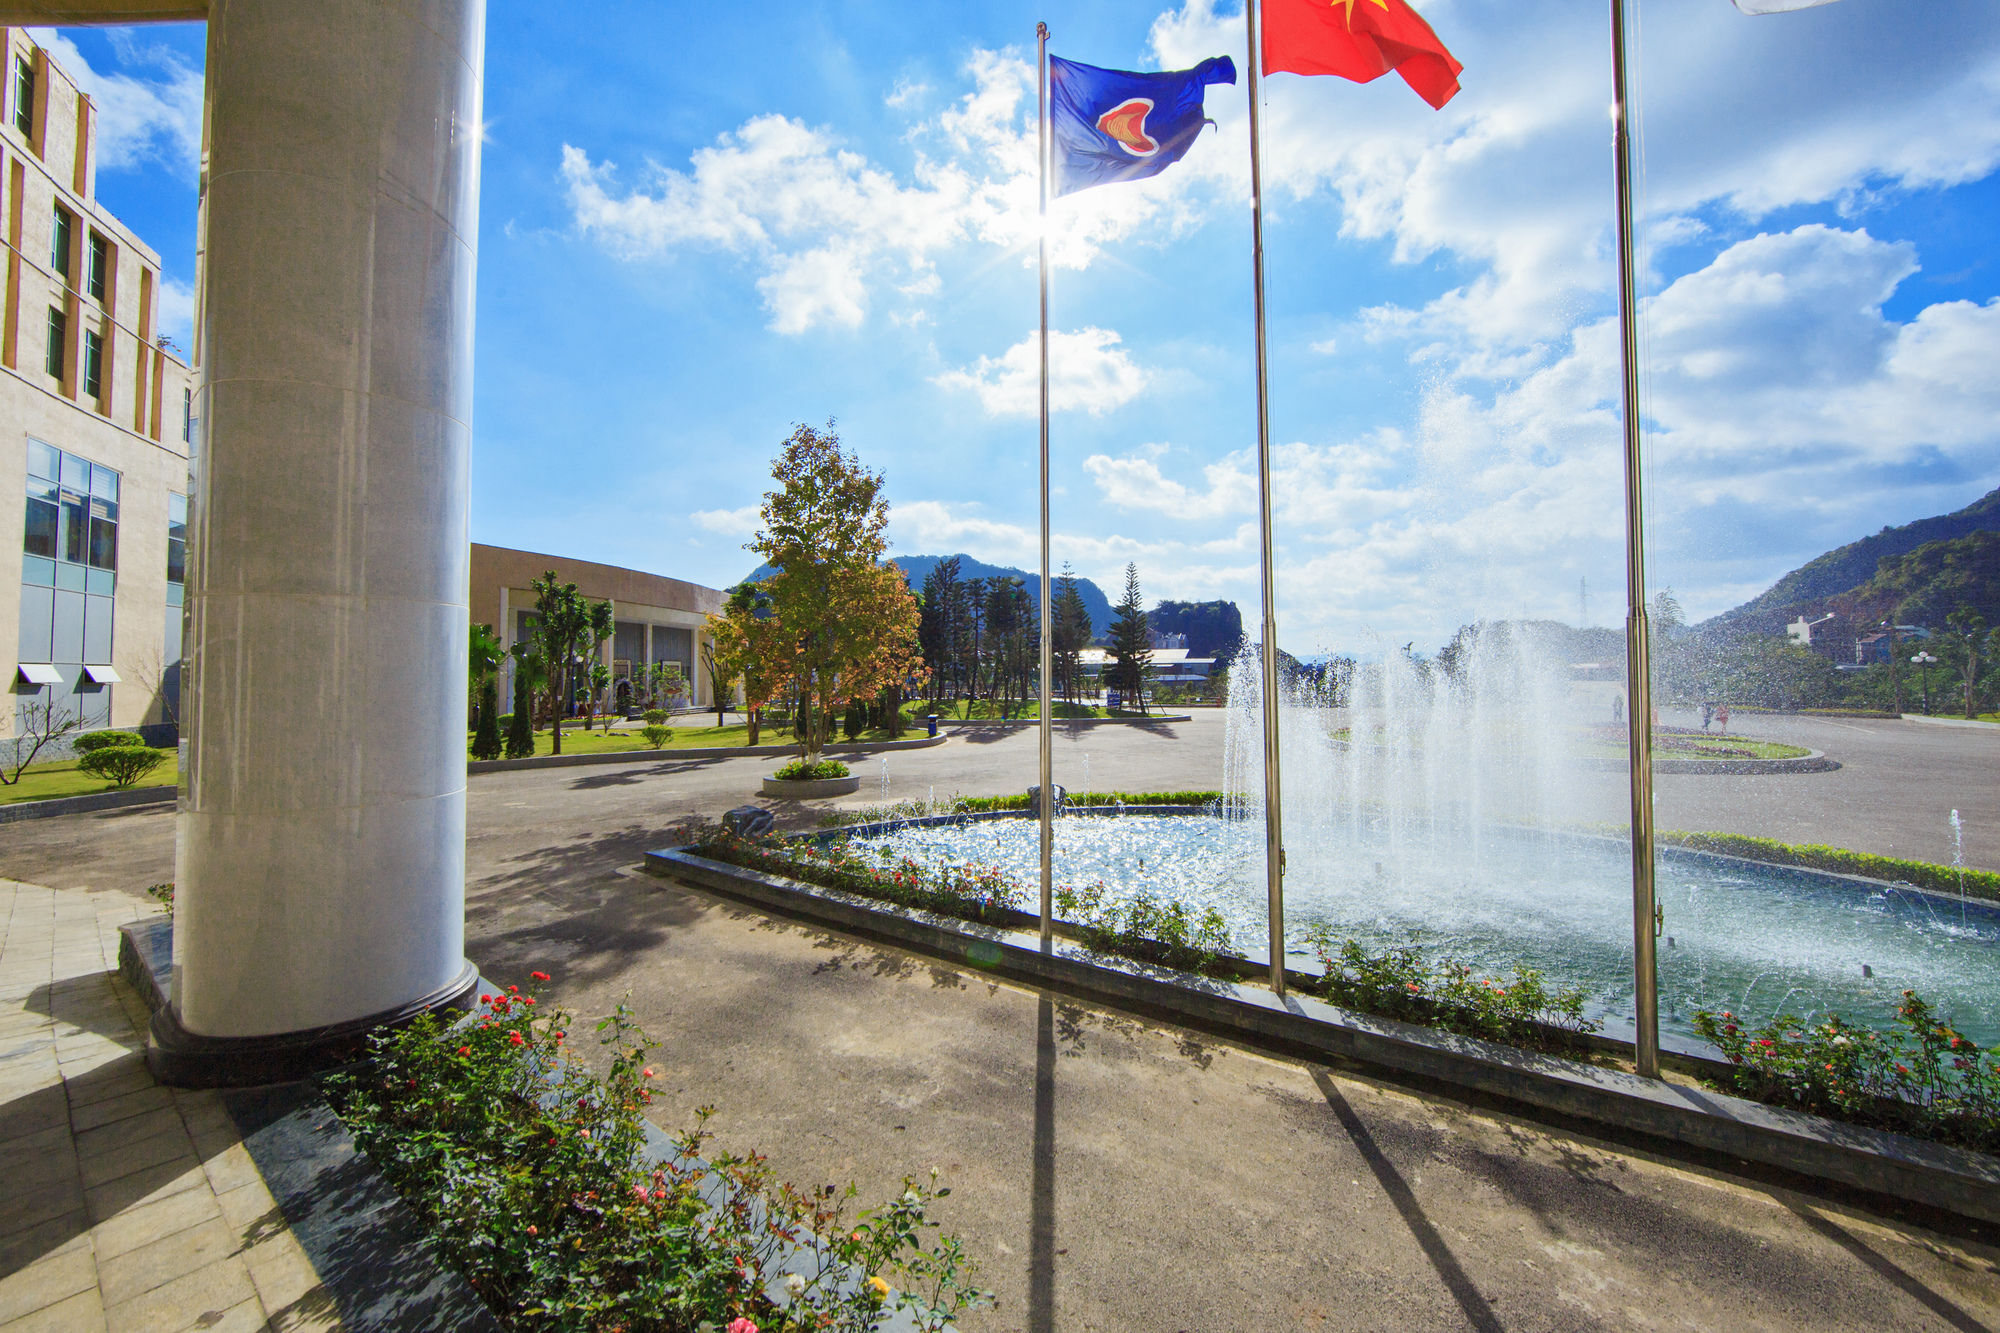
[
  {"x": 68, "y": 637},
  {"x": 100, "y": 255},
  {"x": 24, "y": 96},
  {"x": 59, "y": 245},
  {"x": 69, "y": 576},
  {"x": 38, "y": 571},
  {"x": 104, "y": 482},
  {"x": 97, "y": 619},
  {"x": 100, "y": 581},
  {"x": 176, "y": 596},
  {"x": 177, "y": 514},
  {"x": 75, "y": 528},
  {"x": 103, "y": 534},
  {"x": 43, "y": 459},
  {"x": 93, "y": 365},
  {"x": 41, "y": 520},
  {"x": 75, "y": 473},
  {"x": 38, "y": 606},
  {"x": 54, "y": 361},
  {"x": 176, "y": 562}
]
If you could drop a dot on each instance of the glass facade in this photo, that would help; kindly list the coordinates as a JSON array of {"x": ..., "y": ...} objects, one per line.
[
  {"x": 69, "y": 577},
  {"x": 170, "y": 651}
]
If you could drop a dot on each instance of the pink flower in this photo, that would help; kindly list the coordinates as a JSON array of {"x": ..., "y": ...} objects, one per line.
[{"x": 740, "y": 1325}]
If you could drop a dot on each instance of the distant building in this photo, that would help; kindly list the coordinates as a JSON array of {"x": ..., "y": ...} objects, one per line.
[
  {"x": 1875, "y": 648},
  {"x": 658, "y": 619},
  {"x": 96, "y": 425}
]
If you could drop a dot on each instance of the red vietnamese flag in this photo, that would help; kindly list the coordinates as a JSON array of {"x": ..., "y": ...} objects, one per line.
[{"x": 1359, "y": 40}]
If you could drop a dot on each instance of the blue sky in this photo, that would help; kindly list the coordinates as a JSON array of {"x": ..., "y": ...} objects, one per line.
[{"x": 696, "y": 231}]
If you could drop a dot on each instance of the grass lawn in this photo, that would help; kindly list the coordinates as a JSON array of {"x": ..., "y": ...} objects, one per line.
[
  {"x": 1677, "y": 746},
  {"x": 44, "y": 782}
]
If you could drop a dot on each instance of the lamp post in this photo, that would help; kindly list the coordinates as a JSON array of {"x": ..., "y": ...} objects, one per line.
[{"x": 1923, "y": 662}]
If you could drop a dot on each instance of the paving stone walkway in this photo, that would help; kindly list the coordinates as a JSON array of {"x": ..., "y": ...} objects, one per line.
[{"x": 125, "y": 1205}]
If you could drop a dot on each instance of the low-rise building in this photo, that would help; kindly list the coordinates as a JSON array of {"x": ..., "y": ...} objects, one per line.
[
  {"x": 96, "y": 426},
  {"x": 657, "y": 619}
]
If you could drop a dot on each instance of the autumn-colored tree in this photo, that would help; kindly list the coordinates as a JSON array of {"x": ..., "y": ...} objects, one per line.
[
  {"x": 848, "y": 620},
  {"x": 746, "y": 642}
]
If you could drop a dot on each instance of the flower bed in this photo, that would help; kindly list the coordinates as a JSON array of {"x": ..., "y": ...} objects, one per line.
[
  {"x": 532, "y": 1177},
  {"x": 1840, "y": 861},
  {"x": 1923, "y": 1078},
  {"x": 801, "y": 771}
]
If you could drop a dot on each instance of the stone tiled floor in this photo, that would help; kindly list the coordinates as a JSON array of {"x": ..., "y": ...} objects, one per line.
[{"x": 124, "y": 1205}]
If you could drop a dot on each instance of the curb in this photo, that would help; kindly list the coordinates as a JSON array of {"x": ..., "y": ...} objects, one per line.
[
  {"x": 1017, "y": 722},
  {"x": 1971, "y": 723},
  {"x": 1814, "y": 761},
  {"x": 1897, "y": 1166},
  {"x": 689, "y": 752},
  {"x": 77, "y": 805}
]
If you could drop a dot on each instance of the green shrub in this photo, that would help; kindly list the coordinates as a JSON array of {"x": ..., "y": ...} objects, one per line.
[
  {"x": 163, "y": 894},
  {"x": 969, "y": 893},
  {"x": 1445, "y": 993},
  {"x": 801, "y": 771},
  {"x": 486, "y": 735},
  {"x": 655, "y": 716},
  {"x": 1812, "y": 856},
  {"x": 656, "y": 735},
  {"x": 529, "y": 1174},
  {"x": 1151, "y": 929},
  {"x": 104, "y": 740},
  {"x": 123, "y": 765},
  {"x": 1922, "y": 1077}
]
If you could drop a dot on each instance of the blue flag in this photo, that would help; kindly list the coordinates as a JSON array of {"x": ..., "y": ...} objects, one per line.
[{"x": 1113, "y": 125}]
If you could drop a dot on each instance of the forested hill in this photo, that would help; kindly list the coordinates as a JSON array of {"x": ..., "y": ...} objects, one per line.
[
  {"x": 1849, "y": 567},
  {"x": 916, "y": 568}
]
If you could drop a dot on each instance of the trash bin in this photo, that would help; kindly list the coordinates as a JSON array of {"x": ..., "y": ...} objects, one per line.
[{"x": 932, "y": 719}]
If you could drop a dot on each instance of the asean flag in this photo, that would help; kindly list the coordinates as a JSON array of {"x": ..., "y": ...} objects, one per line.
[{"x": 1360, "y": 40}]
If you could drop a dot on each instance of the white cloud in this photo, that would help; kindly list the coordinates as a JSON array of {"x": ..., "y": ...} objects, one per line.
[
  {"x": 1088, "y": 371},
  {"x": 905, "y": 92},
  {"x": 728, "y": 522},
  {"x": 1135, "y": 482},
  {"x": 177, "y": 311},
  {"x": 140, "y": 119}
]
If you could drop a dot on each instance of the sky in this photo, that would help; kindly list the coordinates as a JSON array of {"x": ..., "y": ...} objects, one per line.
[{"x": 696, "y": 231}]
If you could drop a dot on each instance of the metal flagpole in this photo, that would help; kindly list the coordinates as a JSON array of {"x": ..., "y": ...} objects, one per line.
[
  {"x": 1047, "y": 790},
  {"x": 1638, "y": 635},
  {"x": 1274, "y": 841}
]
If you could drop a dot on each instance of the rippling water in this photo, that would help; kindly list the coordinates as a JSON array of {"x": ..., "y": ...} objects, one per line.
[{"x": 1756, "y": 939}]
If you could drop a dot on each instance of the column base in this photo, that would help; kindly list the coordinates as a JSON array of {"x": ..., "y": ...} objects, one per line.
[{"x": 184, "y": 1059}]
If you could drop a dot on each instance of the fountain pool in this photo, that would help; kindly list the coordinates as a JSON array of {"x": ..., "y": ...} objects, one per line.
[{"x": 1755, "y": 939}]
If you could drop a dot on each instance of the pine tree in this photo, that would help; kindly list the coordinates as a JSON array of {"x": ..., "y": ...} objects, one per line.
[
  {"x": 1069, "y": 634},
  {"x": 521, "y": 725},
  {"x": 486, "y": 736},
  {"x": 1131, "y": 645}
]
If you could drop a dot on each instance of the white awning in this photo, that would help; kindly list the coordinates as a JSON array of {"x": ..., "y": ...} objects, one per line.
[
  {"x": 101, "y": 675},
  {"x": 39, "y": 673}
]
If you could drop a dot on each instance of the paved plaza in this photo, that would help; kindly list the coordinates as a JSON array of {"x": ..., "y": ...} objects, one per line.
[{"x": 1108, "y": 1173}]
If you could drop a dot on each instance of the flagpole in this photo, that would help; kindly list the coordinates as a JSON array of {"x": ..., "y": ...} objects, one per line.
[
  {"x": 1047, "y": 790},
  {"x": 1638, "y": 635},
  {"x": 1274, "y": 841}
]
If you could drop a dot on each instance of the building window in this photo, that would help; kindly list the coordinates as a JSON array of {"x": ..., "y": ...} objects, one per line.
[
  {"x": 59, "y": 247},
  {"x": 58, "y": 341},
  {"x": 177, "y": 518},
  {"x": 100, "y": 264},
  {"x": 93, "y": 364},
  {"x": 187, "y": 416},
  {"x": 24, "y": 96},
  {"x": 72, "y": 520}
]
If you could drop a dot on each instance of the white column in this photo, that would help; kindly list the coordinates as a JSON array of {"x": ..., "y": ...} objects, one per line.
[{"x": 322, "y": 822}]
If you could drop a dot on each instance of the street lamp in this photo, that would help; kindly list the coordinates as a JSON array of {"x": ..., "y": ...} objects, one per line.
[{"x": 1923, "y": 662}]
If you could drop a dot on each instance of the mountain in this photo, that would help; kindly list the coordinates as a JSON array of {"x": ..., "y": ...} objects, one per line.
[
  {"x": 916, "y": 568},
  {"x": 1212, "y": 628},
  {"x": 1847, "y": 569}
]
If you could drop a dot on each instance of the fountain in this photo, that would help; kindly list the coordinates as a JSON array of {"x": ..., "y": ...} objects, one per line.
[{"x": 1432, "y": 805}]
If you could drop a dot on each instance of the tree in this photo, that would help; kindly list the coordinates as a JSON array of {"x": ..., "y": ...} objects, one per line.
[
  {"x": 1131, "y": 662},
  {"x": 530, "y": 678},
  {"x": 1069, "y": 634},
  {"x": 1667, "y": 617},
  {"x": 746, "y": 642},
  {"x": 1962, "y": 648},
  {"x": 484, "y": 655},
  {"x": 719, "y": 680},
  {"x": 939, "y": 625},
  {"x": 567, "y": 626},
  {"x": 36, "y": 725},
  {"x": 848, "y": 620}
]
